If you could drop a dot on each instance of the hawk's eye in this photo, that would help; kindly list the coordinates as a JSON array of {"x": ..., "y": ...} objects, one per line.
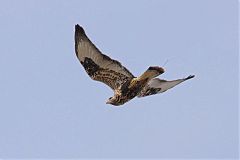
[{"x": 110, "y": 98}]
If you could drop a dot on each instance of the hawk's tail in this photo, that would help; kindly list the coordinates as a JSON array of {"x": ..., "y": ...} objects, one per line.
[{"x": 151, "y": 72}]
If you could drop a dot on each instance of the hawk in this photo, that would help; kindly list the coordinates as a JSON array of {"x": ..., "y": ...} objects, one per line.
[{"x": 125, "y": 85}]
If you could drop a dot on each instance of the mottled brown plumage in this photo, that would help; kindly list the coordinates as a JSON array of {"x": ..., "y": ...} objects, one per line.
[{"x": 111, "y": 72}]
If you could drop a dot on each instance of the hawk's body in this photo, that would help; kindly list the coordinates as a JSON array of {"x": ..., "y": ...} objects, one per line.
[{"x": 104, "y": 69}]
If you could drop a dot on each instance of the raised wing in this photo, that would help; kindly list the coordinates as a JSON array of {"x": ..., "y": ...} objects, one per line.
[
  {"x": 157, "y": 85},
  {"x": 99, "y": 66}
]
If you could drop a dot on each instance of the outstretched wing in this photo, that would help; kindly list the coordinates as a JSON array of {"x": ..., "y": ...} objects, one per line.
[
  {"x": 99, "y": 66},
  {"x": 157, "y": 85}
]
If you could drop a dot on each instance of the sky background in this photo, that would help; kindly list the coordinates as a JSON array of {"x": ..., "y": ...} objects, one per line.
[{"x": 50, "y": 108}]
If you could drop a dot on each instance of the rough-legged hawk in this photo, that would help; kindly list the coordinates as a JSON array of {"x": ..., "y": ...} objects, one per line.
[{"x": 111, "y": 72}]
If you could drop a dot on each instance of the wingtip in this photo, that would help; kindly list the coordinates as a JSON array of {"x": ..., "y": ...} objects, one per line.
[
  {"x": 79, "y": 29},
  {"x": 190, "y": 77},
  {"x": 156, "y": 68}
]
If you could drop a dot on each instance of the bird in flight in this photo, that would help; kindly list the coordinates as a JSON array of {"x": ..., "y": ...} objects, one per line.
[{"x": 125, "y": 85}]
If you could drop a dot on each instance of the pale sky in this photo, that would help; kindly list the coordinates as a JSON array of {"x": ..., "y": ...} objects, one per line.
[{"x": 50, "y": 108}]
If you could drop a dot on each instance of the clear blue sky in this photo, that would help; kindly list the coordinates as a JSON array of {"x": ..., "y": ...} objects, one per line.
[{"x": 50, "y": 108}]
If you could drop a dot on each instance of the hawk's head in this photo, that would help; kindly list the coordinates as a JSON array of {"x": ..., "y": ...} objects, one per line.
[
  {"x": 116, "y": 100},
  {"x": 112, "y": 100}
]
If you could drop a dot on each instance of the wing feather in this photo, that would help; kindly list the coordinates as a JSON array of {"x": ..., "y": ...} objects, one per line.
[
  {"x": 99, "y": 67},
  {"x": 157, "y": 85}
]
